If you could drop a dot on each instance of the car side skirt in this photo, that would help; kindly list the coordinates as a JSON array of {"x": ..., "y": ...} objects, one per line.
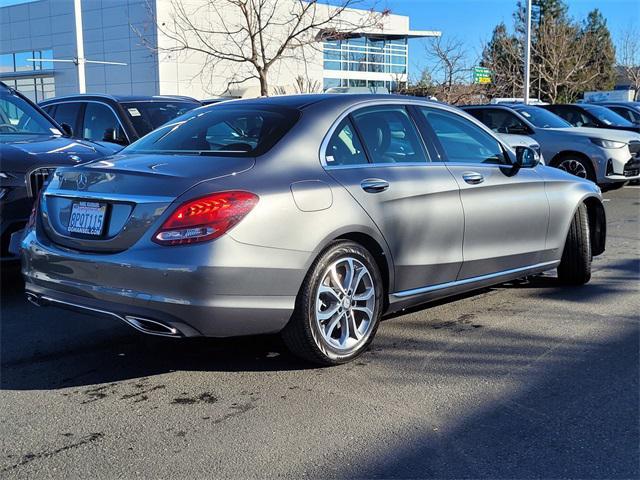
[{"x": 406, "y": 298}]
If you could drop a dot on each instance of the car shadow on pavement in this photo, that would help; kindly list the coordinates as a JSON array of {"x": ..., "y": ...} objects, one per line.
[
  {"x": 574, "y": 415},
  {"x": 48, "y": 348}
]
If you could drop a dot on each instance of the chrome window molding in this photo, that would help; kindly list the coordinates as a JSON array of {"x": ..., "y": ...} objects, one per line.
[{"x": 403, "y": 102}]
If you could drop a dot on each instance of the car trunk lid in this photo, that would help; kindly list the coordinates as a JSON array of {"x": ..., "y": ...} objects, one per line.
[{"x": 108, "y": 205}]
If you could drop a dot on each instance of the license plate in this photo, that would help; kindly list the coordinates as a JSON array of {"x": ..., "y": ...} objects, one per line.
[{"x": 87, "y": 218}]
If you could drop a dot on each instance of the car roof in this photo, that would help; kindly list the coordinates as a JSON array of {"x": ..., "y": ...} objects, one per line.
[
  {"x": 505, "y": 106},
  {"x": 303, "y": 101},
  {"x": 121, "y": 98}
]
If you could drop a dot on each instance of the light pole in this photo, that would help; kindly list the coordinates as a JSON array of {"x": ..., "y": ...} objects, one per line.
[
  {"x": 82, "y": 82},
  {"x": 527, "y": 53}
]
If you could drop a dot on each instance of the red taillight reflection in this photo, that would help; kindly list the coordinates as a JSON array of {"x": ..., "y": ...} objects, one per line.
[
  {"x": 205, "y": 218},
  {"x": 34, "y": 212}
]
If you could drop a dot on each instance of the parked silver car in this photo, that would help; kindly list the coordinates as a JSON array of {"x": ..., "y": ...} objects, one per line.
[
  {"x": 308, "y": 215},
  {"x": 608, "y": 157}
]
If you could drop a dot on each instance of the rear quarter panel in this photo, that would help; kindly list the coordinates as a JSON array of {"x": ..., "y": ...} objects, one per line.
[{"x": 277, "y": 221}]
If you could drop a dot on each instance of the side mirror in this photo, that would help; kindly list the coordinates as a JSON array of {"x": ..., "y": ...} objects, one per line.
[
  {"x": 111, "y": 135},
  {"x": 66, "y": 128},
  {"x": 527, "y": 157}
]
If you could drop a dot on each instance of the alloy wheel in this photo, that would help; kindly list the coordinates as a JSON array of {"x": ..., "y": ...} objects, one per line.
[
  {"x": 574, "y": 167},
  {"x": 345, "y": 304}
]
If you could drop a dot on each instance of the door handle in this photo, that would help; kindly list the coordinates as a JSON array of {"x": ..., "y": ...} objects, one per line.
[
  {"x": 374, "y": 185},
  {"x": 472, "y": 178}
]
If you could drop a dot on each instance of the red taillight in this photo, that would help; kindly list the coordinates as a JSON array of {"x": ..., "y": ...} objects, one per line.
[
  {"x": 34, "y": 212},
  {"x": 205, "y": 218}
]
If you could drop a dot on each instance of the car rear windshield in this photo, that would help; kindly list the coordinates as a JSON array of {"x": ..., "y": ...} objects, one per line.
[
  {"x": 147, "y": 116},
  {"x": 542, "y": 118},
  {"x": 608, "y": 117},
  {"x": 230, "y": 130}
]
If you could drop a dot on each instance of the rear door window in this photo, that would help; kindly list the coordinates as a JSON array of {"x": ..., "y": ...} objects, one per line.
[
  {"x": 627, "y": 114},
  {"x": 389, "y": 135},
  {"x": 101, "y": 125},
  {"x": 503, "y": 121}
]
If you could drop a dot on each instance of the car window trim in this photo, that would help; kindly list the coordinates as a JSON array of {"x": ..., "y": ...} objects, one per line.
[
  {"x": 80, "y": 124},
  {"x": 370, "y": 103}
]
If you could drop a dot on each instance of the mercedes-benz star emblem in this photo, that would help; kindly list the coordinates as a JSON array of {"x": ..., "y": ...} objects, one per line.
[{"x": 82, "y": 181}]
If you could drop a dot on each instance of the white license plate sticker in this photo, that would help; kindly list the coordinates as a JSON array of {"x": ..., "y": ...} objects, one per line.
[{"x": 87, "y": 218}]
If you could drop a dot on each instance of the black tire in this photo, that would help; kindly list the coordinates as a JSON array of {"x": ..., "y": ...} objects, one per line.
[
  {"x": 575, "y": 266},
  {"x": 568, "y": 159},
  {"x": 302, "y": 333}
]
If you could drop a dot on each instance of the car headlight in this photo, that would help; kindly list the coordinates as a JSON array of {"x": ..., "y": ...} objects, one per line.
[{"x": 601, "y": 142}]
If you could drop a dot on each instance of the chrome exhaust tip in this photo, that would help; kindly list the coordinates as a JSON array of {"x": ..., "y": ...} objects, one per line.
[{"x": 152, "y": 327}]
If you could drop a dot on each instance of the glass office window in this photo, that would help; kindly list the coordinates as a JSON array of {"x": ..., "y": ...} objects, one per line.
[{"x": 364, "y": 54}]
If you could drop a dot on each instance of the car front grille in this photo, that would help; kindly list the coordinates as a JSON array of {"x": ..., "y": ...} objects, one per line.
[
  {"x": 632, "y": 168},
  {"x": 634, "y": 148},
  {"x": 37, "y": 179}
]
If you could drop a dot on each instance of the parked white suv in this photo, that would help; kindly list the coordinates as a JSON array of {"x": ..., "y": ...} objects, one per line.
[{"x": 608, "y": 157}]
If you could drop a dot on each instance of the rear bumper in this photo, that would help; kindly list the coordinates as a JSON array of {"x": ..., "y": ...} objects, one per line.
[{"x": 219, "y": 289}]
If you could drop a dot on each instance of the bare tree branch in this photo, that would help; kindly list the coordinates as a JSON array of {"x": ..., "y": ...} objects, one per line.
[
  {"x": 256, "y": 34},
  {"x": 629, "y": 57}
]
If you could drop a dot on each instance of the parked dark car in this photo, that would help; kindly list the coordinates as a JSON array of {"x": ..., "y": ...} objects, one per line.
[
  {"x": 116, "y": 119},
  {"x": 628, "y": 110},
  {"x": 32, "y": 145},
  {"x": 592, "y": 116}
]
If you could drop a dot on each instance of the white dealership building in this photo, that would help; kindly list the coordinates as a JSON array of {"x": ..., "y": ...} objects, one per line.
[{"x": 128, "y": 35}]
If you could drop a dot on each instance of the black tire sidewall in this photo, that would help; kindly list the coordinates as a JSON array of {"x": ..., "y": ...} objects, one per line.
[{"x": 308, "y": 298}]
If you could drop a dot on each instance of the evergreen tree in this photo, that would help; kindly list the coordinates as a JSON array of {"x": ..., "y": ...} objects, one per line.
[
  {"x": 503, "y": 56},
  {"x": 567, "y": 57},
  {"x": 602, "y": 57}
]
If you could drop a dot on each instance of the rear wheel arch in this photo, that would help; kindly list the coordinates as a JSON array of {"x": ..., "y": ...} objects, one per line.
[{"x": 378, "y": 253}]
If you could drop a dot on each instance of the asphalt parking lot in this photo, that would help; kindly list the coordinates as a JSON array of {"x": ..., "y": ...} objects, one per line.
[{"x": 523, "y": 380}]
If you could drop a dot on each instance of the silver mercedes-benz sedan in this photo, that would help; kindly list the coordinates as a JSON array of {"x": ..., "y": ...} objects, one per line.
[{"x": 308, "y": 215}]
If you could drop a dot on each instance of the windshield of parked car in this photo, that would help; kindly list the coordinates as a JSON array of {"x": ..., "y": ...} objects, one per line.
[
  {"x": 19, "y": 117},
  {"x": 147, "y": 116},
  {"x": 608, "y": 117},
  {"x": 232, "y": 130},
  {"x": 542, "y": 118}
]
